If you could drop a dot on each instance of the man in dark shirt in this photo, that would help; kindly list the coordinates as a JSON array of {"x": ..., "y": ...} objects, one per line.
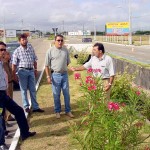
[{"x": 10, "y": 105}]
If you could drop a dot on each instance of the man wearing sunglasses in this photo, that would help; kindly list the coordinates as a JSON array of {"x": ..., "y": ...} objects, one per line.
[
  {"x": 10, "y": 105},
  {"x": 57, "y": 59}
]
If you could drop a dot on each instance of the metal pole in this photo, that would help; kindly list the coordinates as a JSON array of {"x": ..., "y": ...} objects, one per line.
[
  {"x": 94, "y": 29},
  {"x": 4, "y": 37},
  {"x": 130, "y": 24}
]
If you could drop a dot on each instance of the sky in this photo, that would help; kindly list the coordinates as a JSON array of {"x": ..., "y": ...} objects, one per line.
[{"x": 72, "y": 15}]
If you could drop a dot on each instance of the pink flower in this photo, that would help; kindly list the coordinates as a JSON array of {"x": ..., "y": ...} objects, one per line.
[
  {"x": 138, "y": 93},
  {"x": 113, "y": 106},
  {"x": 88, "y": 79},
  {"x": 93, "y": 87},
  {"x": 89, "y": 70},
  {"x": 89, "y": 88},
  {"x": 77, "y": 76}
]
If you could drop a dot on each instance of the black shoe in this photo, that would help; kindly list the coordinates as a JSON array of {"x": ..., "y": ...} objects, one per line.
[
  {"x": 4, "y": 147},
  {"x": 11, "y": 119},
  {"x": 38, "y": 110},
  {"x": 6, "y": 132},
  {"x": 27, "y": 110},
  {"x": 30, "y": 134}
]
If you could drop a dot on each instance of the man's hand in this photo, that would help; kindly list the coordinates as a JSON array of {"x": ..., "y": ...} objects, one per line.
[
  {"x": 72, "y": 69},
  {"x": 49, "y": 80},
  {"x": 107, "y": 87},
  {"x": 35, "y": 73},
  {"x": 15, "y": 78}
]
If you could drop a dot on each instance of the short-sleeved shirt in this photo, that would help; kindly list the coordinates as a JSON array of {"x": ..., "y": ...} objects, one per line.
[
  {"x": 24, "y": 57},
  {"x": 57, "y": 59},
  {"x": 3, "y": 78},
  {"x": 104, "y": 66}
]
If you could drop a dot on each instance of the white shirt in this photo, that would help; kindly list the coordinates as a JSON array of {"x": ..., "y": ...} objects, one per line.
[
  {"x": 105, "y": 65},
  {"x": 3, "y": 78}
]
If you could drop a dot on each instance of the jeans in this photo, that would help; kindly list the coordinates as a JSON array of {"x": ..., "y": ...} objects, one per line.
[
  {"x": 27, "y": 81},
  {"x": 17, "y": 111},
  {"x": 2, "y": 136},
  {"x": 60, "y": 82}
]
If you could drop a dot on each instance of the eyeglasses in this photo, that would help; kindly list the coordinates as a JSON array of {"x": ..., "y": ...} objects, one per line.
[
  {"x": 2, "y": 49},
  {"x": 59, "y": 40}
]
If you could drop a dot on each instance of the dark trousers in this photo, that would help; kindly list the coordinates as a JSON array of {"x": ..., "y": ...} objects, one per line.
[
  {"x": 2, "y": 135},
  {"x": 16, "y": 110}
]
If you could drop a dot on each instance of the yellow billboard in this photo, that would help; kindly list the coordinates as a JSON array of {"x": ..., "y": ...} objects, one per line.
[
  {"x": 117, "y": 25},
  {"x": 117, "y": 28}
]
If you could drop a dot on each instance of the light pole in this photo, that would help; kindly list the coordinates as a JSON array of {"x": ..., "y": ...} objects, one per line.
[
  {"x": 130, "y": 23},
  {"x": 94, "y": 29}
]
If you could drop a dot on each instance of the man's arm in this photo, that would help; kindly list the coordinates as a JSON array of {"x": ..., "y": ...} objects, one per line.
[
  {"x": 80, "y": 68},
  {"x": 48, "y": 74},
  {"x": 35, "y": 68},
  {"x": 14, "y": 68}
]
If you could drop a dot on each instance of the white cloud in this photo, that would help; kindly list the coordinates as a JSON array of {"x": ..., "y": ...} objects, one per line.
[{"x": 49, "y": 13}]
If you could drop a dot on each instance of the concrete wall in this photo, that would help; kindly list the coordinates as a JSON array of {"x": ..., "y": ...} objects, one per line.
[{"x": 142, "y": 76}]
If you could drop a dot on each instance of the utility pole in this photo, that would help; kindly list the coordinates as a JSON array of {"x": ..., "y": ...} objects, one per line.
[
  {"x": 21, "y": 26},
  {"x": 94, "y": 29},
  {"x": 130, "y": 23},
  {"x": 63, "y": 27}
]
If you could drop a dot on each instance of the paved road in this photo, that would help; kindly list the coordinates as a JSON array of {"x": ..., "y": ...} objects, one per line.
[
  {"x": 136, "y": 53},
  {"x": 41, "y": 46}
]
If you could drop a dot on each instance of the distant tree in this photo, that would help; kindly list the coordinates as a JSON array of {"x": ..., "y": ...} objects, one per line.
[{"x": 142, "y": 32}]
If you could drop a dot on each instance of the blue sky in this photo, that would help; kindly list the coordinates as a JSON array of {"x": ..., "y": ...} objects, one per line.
[{"x": 45, "y": 14}]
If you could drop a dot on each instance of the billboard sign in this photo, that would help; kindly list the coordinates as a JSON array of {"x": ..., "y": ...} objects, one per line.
[
  {"x": 117, "y": 28},
  {"x": 10, "y": 33}
]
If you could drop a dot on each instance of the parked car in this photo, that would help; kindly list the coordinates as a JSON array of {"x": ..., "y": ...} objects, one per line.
[
  {"x": 86, "y": 39},
  {"x": 11, "y": 48}
]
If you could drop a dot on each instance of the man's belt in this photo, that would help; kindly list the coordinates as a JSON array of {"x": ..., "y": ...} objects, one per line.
[
  {"x": 26, "y": 68},
  {"x": 52, "y": 71}
]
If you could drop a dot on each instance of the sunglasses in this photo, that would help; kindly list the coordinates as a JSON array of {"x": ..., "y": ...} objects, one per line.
[
  {"x": 2, "y": 49},
  {"x": 59, "y": 40}
]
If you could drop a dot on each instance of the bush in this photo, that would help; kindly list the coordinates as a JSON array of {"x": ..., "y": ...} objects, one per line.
[{"x": 109, "y": 125}]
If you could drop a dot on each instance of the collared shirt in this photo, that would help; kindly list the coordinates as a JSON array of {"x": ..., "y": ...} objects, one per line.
[
  {"x": 24, "y": 57},
  {"x": 3, "y": 78},
  {"x": 57, "y": 59},
  {"x": 104, "y": 65}
]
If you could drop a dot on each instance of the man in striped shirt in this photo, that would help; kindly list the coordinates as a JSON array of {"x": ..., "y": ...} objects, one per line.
[{"x": 24, "y": 62}]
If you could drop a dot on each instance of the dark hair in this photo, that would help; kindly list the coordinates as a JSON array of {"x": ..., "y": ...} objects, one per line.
[
  {"x": 58, "y": 35},
  {"x": 2, "y": 43},
  {"x": 22, "y": 36},
  {"x": 100, "y": 47}
]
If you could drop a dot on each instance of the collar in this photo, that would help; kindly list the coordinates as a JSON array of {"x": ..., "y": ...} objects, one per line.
[{"x": 103, "y": 57}]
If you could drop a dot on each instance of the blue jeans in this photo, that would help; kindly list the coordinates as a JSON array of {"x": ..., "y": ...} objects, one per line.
[
  {"x": 60, "y": 82},
  {"x": 27, "y": 81}
]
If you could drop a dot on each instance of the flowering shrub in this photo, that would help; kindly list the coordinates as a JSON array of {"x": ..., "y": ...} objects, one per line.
[{"x": 108, "y": 125}]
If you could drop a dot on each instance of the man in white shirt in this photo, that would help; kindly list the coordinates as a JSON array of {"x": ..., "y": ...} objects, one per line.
[{"x": 102, "y": 62}]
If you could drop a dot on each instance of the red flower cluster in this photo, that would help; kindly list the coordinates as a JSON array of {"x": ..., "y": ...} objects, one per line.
[
  {"x": 77, "y": 76},
  {"x": 92, "y": 85},
  {"x": 138, "y": 93},
  {"x": 113, "y": 106}
]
